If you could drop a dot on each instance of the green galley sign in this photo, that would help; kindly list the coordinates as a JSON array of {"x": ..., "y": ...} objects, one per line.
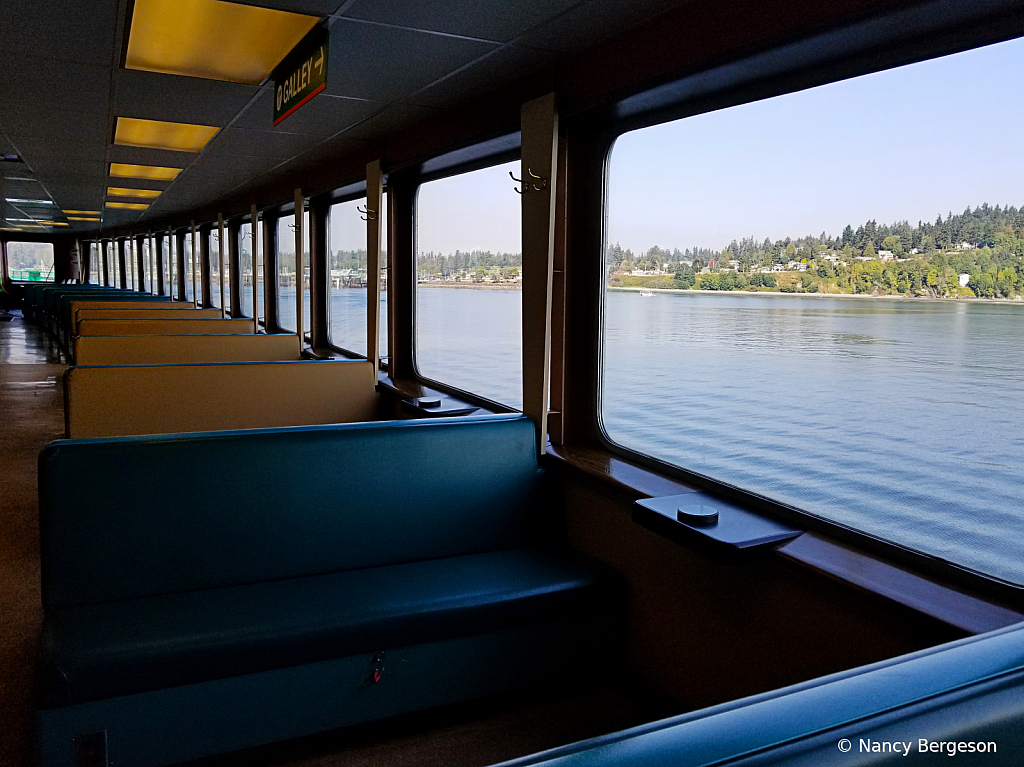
[{"x": 301, "y": 76}]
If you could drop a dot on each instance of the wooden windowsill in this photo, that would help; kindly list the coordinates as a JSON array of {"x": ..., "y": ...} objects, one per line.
[{"x": 837, "y": 561}]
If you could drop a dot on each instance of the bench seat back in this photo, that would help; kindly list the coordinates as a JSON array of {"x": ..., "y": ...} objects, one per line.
[
  {"x": 162, "y": 350},
  {"x": 107, "y": 401},
  {"x": 141, "y": 516},
  {"x": 163, "y": 327}
]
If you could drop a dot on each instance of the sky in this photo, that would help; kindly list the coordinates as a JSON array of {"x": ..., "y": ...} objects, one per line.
[{"x": 907, "y": 143}]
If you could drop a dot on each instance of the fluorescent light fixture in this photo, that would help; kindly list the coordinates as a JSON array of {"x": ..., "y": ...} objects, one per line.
[
  {"x": 212, "y": 39},
  {"x": 157, "y": 134},
  {"x": 83, "y": 212},
  {"x": 83, "y": 218},
  {"x": 155, "y": 172},
  {"x": 16, "y": 201},
  {"x": 127, "y": 205},
  {"x": 120, "y": 191}
]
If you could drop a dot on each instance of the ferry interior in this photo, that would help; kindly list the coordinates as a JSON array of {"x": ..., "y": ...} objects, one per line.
[{"x": 247, "y": 519}]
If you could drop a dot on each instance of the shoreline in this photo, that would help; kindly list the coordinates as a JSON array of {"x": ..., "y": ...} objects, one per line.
[
  {"x": 857, "y": 296},
  {"x": 471, "y": 285}
]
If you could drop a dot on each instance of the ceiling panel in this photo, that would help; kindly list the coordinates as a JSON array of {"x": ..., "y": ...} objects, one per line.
[
  {"x": 46, "y": 82},
  {"x": 592, "y": 21},
  {"x": 71, "y": 30},
  {"x": 262, "y": 142},
  {"x": 22, "y": 189},
  {"x": 54, "y": 126},
  {"x": 488, "y": 19},
  {"x": 155, "y": 96},
  {"x": 390, "y": 120},
  {"x": 383, "y": 64},
  {"x": 508, "y": 63},
  {"x": 310, "y": 7},
  {"x": 324, "y": 115},
  {"x": 136, "y": 155}
]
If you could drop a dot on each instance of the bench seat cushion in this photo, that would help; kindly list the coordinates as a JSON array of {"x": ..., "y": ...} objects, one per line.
[{"x": 106, "y": 650}]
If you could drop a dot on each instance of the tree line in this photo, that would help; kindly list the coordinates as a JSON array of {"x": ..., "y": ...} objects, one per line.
[{"x": 986, "y": 243}]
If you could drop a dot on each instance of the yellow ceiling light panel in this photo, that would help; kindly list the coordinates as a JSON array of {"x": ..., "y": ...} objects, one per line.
[
  {"x": 212, "y": 39},
  {"x": 83, "y": 212},
  {"x": 120, "y": 191},
  {"x": 157, "y": 134},
  {"x": 154, "y": 172},
  {"x": 127, "y": 205},
  {"x": 83, "y": 218}
]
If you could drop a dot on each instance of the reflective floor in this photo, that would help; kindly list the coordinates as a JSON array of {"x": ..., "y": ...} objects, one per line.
[{"x": 31, "y": 414}]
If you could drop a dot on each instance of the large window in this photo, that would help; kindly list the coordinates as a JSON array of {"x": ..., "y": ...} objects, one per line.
[
  {"x": 213, "y": 246},
  {"x": 166, "y": 265},
  {"x": 226, "y": 276},
  {"x": 30, "y": 261},
  {"x": 347, "y": 277},
  {"x": 189, "y": 265},
  {"x": 288, "y": 274},
  {"x": 245, "y": 261},
  {"x": 469, "y": 273},
  {"x": 818, "y": 298}
]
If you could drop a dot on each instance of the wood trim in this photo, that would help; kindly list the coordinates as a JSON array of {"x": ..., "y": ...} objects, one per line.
[
  {"x": 925, "y": 595},
  {"x": 836, "y": 561},
  {"x": 374, "y": 229},
  {"x": 539, "y": 172}
]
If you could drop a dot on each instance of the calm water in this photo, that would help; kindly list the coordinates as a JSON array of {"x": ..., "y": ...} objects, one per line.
[
  {"x": 904, "y": 419},
  {"x": 901, "y": 419}
]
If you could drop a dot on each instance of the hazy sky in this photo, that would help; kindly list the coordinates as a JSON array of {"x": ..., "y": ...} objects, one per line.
[
  {"x": 471, "y": 211},
  {"x": 908, "y": 143}
]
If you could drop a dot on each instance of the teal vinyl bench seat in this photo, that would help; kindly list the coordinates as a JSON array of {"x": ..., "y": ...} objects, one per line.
[
  {"x": 178, "y": 639},
  {"x": 967, "y": 691},
  {"x": 422, "y": 567}
]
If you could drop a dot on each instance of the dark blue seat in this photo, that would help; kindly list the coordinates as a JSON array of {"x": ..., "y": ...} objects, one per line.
[
  {"x": 178, "y": 639},
  {"x": 932, "y": 703},
  {"x": 255, "y": 582}
]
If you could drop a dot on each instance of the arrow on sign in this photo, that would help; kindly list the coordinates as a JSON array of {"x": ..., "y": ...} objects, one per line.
[{"x": 319, "y": 63}]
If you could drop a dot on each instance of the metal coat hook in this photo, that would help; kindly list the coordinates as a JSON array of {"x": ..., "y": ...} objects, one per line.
[
  {"x": 369, "y": 215},
  {"x": 527, "y": 186}
]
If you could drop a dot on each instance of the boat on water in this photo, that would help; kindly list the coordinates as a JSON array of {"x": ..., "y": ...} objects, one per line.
[{"x": 646, "y": 294}]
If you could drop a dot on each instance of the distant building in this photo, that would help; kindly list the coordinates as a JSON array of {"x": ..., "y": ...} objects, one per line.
[
  {"x": 965, "y": 246},
  {"x": 964, "y": 279}
]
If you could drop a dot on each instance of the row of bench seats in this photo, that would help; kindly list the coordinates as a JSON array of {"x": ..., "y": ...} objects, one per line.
[
  {"x": 146, "y": 367},
  {"x": 259, "y": 602}
]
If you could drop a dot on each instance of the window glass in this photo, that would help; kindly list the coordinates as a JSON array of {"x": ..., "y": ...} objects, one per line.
[
  {"x": 165, "y": 265},
  {"x": 214, "y": 254},
  {"x": 808, "y": 298},
  {"x": 30, "y": 261},
  {"x": 286, "y": 271},
  {"x": 226, "y": 277},
  {"x": 245, "y": 264},
  {"x": 188, "y": 266},
  {"x": 347, "y": 285},
  {"x": 469, "y": 275},
  {"x": 172, "y": 267},
  {"x": 111, "y": 259},
  {"x": 131, "y": 253},
  {"x": 94, "y": 263}
]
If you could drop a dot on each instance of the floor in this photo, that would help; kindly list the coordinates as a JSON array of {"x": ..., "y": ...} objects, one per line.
[
  {"x": 471, "y": 735},
  {"x": 31, "y": 414}
]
